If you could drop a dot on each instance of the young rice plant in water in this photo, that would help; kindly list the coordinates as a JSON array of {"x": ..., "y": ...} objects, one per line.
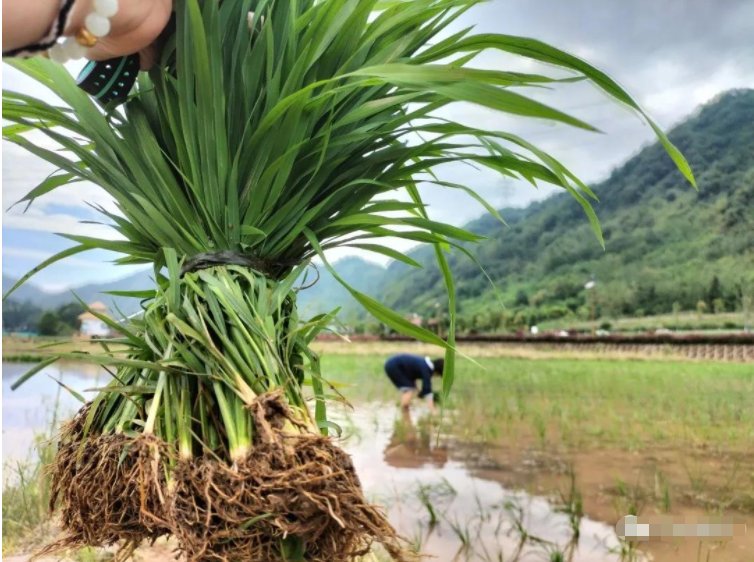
[{"x": 270, "y": 132}]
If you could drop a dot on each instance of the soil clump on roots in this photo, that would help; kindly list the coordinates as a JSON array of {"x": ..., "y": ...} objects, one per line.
[
  {"x": 296, "y": 491},
  {"x": 107, "y": 488}
]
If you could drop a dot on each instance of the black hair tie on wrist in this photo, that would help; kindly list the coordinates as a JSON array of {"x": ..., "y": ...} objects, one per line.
[{"x": 110, "y": 81}]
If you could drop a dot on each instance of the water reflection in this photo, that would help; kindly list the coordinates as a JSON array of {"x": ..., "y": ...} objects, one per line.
[
  {"x": 446, "y": 510},
  {"x": 39, "y": 403},
  {"x": 414, "y": 446}
]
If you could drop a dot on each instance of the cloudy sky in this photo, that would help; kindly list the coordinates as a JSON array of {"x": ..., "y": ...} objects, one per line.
[{"x": 672, "y": 55}]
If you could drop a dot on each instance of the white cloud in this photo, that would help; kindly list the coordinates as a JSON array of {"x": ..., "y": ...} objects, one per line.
[
  {"x": 60, "y": 210},
  {"x": 38, "y": 219},
  {"x": 23, "y": 171},
  {"x": 41, "y": 255},
  {"x": 682, "y": 95}
]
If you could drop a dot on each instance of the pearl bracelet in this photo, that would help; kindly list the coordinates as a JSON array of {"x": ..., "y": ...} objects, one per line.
[{"x": 96, "y": 26}]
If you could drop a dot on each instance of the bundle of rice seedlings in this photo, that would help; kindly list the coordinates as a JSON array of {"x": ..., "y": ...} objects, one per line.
[{"x": 270, "y": 132}]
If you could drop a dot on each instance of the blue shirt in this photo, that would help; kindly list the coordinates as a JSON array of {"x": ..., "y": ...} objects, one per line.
[{"x": 404, "y": 370}]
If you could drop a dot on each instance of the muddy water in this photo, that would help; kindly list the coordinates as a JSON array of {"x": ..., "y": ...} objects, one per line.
[
  {"x": 718, "y": 482},
  {"x": 453, "y": 500},
  {"x": 442, "y": 507}
]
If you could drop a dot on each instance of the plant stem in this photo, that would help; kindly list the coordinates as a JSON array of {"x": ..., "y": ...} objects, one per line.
[
  {"x": 152, "y": 417},
  {"x": 183, "y": 421},
  {"x": 228, "y": 421}
]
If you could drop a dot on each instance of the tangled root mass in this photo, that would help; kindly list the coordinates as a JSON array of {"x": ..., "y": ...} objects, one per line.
[
  {"x": 295, "y": 496},
  {"x": 108, "y": 488},
  {"x": 295, "y": 493}
]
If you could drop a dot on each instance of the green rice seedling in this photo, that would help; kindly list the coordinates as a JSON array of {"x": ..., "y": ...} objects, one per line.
[
  {"x": 431, "y": 495},
  {"x": 568, "y": 436},
  {"x": 517, "y": 518},
  {"x": 626, "y": 550},
  {"x": 726, "y": 495},
  {"x": 425, "y": 498},
  {"x": 482, "y": 513},
  {"x": 571, "y": 504},
  {"x": 497, "y": 556},
  {"x": 448, "y": 487},
  {"x": 705, "y": 550},
  {"x": 630, "y": 500},
  {"x": 269, "y": 132},
  {"x": 462, "y": 530},
  {"x": 350, "y": 429},
  {"x": 500, "y": 510},
  {"x": 662, "y": 491},
  {"x": 697, "y": 479},
  {"x": 417, "y": 539},
  {"x": 540, "y": 427}
]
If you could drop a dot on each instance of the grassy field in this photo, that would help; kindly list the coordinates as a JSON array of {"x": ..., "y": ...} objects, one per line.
[
  {"x": 34, "y": 348},
  {"x": 581, "y": 403},
  {"x": 25, "y": 501}
]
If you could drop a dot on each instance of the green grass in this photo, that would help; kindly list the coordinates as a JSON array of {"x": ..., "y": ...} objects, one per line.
[
  {"x": 683, "y": 321},
  {"x": 26, "y": 496},
  {"x": 582, "y": 403},
  {"x": 26, "y": 491},
  {"x": 27, "y": 524}
]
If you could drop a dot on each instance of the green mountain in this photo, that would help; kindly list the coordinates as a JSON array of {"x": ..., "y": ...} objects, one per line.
[
  {"x": 26, "y": 292},
  {"x": 23, "y": 309},
  {"x": 668, "y": 247},
  {"x": 320, "y": 293},
  {"x": 88, "y": 293},
  {"x": 327, "y": 294}
]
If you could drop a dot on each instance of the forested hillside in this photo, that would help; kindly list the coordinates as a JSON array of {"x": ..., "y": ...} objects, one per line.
[{"x": 668, "y": 247}]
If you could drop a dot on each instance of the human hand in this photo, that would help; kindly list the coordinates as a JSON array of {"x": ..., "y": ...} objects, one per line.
[
  {"x": 135, "y": 28},
  {"x": 433, "y": 410}
]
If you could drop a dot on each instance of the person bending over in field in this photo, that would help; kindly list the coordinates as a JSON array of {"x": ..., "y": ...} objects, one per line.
[{"x": 404, "y": 370}]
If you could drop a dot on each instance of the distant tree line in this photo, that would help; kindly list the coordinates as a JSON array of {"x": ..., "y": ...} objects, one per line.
[
  {"x": 26, "y": 317},
  {"x": 571, "y": 301}
]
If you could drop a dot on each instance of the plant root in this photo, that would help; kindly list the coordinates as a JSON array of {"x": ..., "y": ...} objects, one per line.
[
  {"x": 108, "y": 488},
  {"x": 295, "y": 496}
]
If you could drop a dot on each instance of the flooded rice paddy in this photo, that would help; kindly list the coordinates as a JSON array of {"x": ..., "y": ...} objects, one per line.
[{"x": 457, "y": 491}]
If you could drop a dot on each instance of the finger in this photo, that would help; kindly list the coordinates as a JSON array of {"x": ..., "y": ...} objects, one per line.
[
  {"x": 128, "y": 40},
  {"x": 148, "y": 57},
  {"x": 107, "y": 49}
]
